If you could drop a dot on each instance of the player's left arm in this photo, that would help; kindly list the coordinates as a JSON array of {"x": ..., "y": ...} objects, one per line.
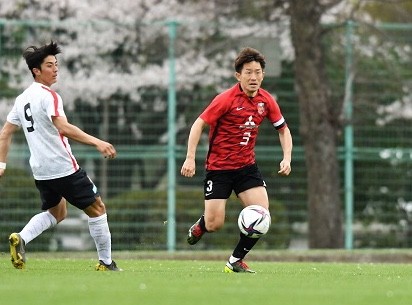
[
  {"x": 6, "y": 135},
  {"x": 286, "y": 142},
  {"x": 75, "y": 133},
  {"x": 275, "y": 116}
]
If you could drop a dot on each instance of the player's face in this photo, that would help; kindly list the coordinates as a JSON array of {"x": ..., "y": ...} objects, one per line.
[
  {"x": 250, "y": 77},
  {"x": 47, "y": 74}
]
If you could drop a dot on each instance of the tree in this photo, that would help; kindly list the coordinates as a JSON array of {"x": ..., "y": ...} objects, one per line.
[{"x": 318, "y": 126}]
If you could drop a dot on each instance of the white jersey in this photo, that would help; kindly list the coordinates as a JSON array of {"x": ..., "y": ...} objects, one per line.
[{"x": 50, "y": 153}]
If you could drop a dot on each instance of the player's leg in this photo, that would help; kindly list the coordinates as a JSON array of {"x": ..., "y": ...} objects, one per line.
[
  {"x": 256, "y": 195},
  {"x": 82, "y": 193},
  {"x": 217, "y": 188},
  {"x": 100, "y": 232},
  {"x": 43, "y": 221},
  {"x": 38, "y": 223},
  {"x": 250, "y": 190},
  {"x": 211, "y": 221}
]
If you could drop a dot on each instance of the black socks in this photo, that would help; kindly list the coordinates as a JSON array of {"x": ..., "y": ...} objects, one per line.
[{"x": 244, "y": 245}]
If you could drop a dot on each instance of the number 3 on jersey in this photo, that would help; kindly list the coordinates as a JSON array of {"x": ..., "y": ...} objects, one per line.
[
  {"x": 28, "y": 116},
  {"x": 246, "y": 137}
]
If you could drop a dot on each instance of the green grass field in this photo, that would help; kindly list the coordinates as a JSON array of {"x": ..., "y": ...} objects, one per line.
[{"x": 56, "y": 279}]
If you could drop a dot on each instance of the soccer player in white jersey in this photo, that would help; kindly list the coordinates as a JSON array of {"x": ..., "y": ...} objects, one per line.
[{"x": 39, "y": 112}]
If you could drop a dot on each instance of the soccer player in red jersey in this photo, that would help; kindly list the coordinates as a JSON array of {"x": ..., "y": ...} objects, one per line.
[{"x": 233, "y": 118}]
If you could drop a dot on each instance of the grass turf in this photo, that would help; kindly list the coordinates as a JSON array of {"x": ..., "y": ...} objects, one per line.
[{"x": 47, "y": 280}]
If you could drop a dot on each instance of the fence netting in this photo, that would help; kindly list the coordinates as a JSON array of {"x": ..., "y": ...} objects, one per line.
[{"x": 115, "y": 78}]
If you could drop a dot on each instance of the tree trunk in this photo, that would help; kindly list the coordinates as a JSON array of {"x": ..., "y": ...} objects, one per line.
[{"x": 316, "y": 127}]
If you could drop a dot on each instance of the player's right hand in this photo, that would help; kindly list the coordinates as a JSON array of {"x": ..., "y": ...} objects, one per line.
[{"x": 188, "y": 168}]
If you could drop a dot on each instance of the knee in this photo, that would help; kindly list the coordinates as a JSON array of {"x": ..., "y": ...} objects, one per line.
[
  {"x": 60, "y": 215},
  {"x": 96, "y": 209},
  {"x": 100, "y": 207},
  {"x": 214, "y": 224}
]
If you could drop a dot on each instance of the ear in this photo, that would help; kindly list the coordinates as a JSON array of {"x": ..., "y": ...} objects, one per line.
[
  {"x": 36, "y": 71},
  {"x": 237, "y": 75}
]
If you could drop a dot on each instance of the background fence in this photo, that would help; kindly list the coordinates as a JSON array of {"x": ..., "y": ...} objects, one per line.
[{"x": 120, "y": 89}]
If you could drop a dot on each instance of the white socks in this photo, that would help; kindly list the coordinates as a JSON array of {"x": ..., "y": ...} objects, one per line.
[
  {"x": 99, "y": 230},
  {"x": 98, "y": 226},
  {"x": 37, "y": 224}
]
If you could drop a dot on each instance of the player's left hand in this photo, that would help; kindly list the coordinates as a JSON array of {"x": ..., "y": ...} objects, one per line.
[
  {"x": 285, "y": 168},
  {"x": 106, "y": 149}
]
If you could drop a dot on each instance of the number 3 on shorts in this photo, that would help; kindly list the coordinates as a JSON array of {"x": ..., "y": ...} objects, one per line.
[{"x": 209, "y": 186}]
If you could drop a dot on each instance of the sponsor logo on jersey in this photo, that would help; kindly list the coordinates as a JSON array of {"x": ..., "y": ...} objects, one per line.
[{"x": 249, "y": 124}]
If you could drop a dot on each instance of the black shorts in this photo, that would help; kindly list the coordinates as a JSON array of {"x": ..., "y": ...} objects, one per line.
[
  {"x": 219, "y": 184},
  {"x": 78, "y": 189}
]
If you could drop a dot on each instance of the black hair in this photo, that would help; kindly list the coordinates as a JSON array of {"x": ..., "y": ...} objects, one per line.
[
  {"x": 248, "y": 55},
  {"x": 35, "y": 56}
]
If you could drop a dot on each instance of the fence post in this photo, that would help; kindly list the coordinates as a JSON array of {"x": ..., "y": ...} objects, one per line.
[
  {"x": 349, "y": 76},
  {"x": 171, "y": 142}
]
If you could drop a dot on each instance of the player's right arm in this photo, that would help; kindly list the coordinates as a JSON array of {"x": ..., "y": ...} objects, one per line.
[
  {"x": 75, "y": 133},
  {"x": 189, "y": 166},
  {"x": 6, "y": 135}
]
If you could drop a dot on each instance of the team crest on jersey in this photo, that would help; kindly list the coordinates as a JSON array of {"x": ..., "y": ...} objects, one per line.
[{"x": 261, "y": 107}]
